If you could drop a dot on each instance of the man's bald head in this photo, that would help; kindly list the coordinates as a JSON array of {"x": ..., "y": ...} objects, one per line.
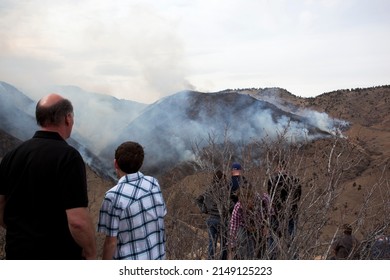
[
  {"x": 52, "y": 109},
  {"x": 50, "y": 100}
]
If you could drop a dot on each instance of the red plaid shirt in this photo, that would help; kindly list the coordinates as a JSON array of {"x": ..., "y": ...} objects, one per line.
[
  {"x": 235, "y": 222},
  {"x": 237, "y": 218}
]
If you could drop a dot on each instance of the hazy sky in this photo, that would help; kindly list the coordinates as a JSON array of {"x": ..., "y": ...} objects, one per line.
[{"x": 143, "y": 50}]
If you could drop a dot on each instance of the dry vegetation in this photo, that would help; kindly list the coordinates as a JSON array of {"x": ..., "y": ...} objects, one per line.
[
  {"x": 331, "y": 196},
  {"x": 345, "y": 180}
]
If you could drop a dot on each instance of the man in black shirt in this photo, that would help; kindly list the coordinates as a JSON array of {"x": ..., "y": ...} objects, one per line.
[{"x": 43, "y": 191}]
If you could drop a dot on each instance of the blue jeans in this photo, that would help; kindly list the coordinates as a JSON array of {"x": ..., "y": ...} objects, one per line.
[
  {"x": 213, "y": 229},
  {"x": 292, "y": 224},
  {"x": 279, "y": 233}
]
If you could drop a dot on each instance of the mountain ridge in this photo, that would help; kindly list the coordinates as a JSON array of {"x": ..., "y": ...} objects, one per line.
[
  {"x": 178, "y": 121},
  {"x": 366, "y": 111}
]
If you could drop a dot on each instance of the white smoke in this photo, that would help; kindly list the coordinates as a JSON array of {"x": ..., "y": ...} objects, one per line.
[
  {"x": 324, "y": 122},
  {"x": 321, "y": 120},
  {"x": 98, "y": 117},
  {"x": 169, "y": 128}
]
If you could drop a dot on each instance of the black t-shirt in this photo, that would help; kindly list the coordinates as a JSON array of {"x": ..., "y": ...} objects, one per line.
[{"x": 42, "y": 178}]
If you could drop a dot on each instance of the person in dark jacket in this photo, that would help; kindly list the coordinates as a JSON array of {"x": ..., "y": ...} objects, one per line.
[
  {"x": 214, "y": 202},
  {"x": 285, "y": 191}
]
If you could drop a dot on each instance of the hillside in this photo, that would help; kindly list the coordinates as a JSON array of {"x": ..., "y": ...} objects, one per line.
[
  {"x": 368, "y": 112},
  {"x": 358, "y": 174},
  {"x": 170, "y": 128}
]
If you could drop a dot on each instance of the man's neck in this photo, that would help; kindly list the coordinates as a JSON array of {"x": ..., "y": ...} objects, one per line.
[{"x": 60, "y": 131}]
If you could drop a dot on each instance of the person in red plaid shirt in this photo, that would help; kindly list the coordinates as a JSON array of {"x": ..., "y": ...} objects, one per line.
[{"x": 247, "y": 227}]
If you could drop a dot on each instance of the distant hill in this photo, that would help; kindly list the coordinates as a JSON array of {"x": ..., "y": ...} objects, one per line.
[
  {"x": 368, "y": 110},
  {"x": 16, "y": 112},
  {"x": 169, "y": 129},
  {"x": 7, "y": 142}
]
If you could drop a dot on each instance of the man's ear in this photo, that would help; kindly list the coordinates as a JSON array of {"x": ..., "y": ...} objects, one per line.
[
  {"x": 68, "y": 119},
  {"x": 116, "y": 164}
]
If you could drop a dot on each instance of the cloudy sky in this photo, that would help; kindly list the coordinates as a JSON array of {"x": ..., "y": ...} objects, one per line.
[{"x": 143, "y": 50}]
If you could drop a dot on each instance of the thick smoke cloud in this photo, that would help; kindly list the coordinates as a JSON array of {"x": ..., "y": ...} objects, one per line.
[
  {"x": 170, "y": 128},
  {"x": 118, "y": 48},
  {"x": 173, "y": 126},
  {"x": 98, "y": 117}
]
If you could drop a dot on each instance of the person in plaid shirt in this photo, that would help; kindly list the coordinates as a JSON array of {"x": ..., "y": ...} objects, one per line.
[
  {"x": 132, "y": 213},
  {"x": 248, "y": 225}
]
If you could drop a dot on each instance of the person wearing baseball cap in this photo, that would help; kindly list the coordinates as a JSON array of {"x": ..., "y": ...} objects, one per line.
[{"x": 236, "y": 181}]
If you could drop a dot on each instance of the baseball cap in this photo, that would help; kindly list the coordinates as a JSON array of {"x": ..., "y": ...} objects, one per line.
[{"x": 236, "y": 166}]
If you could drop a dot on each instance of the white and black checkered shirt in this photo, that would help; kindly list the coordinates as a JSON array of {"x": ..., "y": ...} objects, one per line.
[{"x": 134, "y": 212}]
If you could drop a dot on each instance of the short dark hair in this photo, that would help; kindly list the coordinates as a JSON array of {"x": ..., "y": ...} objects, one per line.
[
  {"x": 347, "y": 228},
  {"x": 54, "y": 114},
  {"x": 129, "y": 157}
]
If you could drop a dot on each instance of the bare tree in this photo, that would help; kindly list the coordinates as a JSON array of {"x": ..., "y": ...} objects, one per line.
[{"x": 324, "y": 169}]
